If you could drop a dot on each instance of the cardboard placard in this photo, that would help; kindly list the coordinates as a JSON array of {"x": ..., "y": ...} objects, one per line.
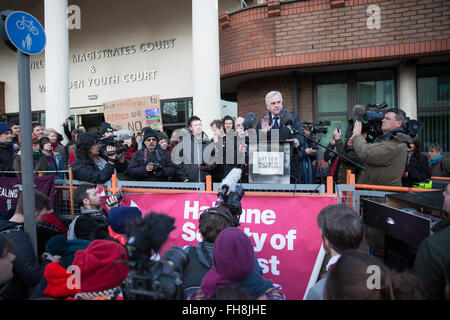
[{"x": 134, "y": 113}]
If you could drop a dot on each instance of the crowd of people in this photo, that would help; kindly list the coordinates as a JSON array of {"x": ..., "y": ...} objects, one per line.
[
  {"x": 222, "y": 266},
  {"x": 88, "y": 259}
]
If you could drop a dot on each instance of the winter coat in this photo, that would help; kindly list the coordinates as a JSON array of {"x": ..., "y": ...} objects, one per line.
[
  {"x": 85, "y": 169},
  {"x": 62, "y": 151},
  {"x": 192, "y": 157},
  {"x": 441, "y": 168},
  {"x": 432, "y": 261},
  {"x": 385, "y": 161},
  {"x": 48, "y": 163},
  {"x": 142, "y": 157},
  {"x": 417, "y": 169},
  {"x": 27, "y": 268},
  {"x": 17, "y": 161},
  {"x": 199, "y": 263}
]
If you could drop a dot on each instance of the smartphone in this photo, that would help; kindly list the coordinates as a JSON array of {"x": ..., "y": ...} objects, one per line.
[{"x": 338, "y": 126}]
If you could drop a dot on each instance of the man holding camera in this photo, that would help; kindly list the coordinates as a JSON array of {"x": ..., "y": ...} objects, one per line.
[
  {"x": 92, "y": 223},
  {"x": 151, "y": 162},
  {"x": 386, "y": 157}
]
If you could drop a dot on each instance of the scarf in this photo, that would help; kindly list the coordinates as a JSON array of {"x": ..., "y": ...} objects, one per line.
[
  {"x": 54, "y": 145},
  {"x": 335, "y": 164},
  {"x": 130, "y": 152},
  {"x": 436, "y": 160},
  {"x": 11, "y": 146},
  {"x": 37, "y": 155}
]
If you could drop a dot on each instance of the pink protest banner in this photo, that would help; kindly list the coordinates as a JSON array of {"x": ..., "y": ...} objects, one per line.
[{"x": 283, "y": 230}]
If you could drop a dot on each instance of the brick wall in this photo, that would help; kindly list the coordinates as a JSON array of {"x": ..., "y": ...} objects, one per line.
[
  {"x": 309, "y": 33},
  {"x": 251, "y": 95}
]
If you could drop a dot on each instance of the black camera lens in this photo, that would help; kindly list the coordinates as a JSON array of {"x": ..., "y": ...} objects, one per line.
[
  {"x": 176, "y": 257},
  {"x": 158, "y": 170}
]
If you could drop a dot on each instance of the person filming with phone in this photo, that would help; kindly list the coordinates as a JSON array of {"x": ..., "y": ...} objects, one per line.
[{"x": 338, "y": 166}]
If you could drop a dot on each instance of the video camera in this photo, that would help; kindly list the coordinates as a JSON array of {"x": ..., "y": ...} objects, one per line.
[
  {"x": 114, "y": 142},
  {"x": 371, "y": 116},
  {"x": 317, "y": 126},
  {"x": 147, "y": 279}
]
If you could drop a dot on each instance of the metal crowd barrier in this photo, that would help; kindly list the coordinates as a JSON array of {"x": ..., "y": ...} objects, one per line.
[{"x": 350, "y": 193}]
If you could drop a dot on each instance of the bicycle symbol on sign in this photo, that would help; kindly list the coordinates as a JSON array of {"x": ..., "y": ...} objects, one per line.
[{"x": 21, "y": 24}]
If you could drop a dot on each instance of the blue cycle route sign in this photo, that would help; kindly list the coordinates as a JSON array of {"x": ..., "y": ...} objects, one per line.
[{"x": 25, "y": 32}]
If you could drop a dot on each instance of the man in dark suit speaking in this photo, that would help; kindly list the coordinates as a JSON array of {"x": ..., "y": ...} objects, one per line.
[{"x": 290, "y": 127}]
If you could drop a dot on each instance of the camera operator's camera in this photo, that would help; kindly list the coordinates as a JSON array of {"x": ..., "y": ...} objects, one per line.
[
  {"x": 158, "y": 169},
  {"x": 119, "y": 197},
  {"x": 317, "y": 127},
  {"x": 153, "y": 280},
  {"x": 111, "y": 141}
]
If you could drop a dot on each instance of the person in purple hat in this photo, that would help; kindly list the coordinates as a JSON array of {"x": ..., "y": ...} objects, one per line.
[{"x": 234, "y": 265}]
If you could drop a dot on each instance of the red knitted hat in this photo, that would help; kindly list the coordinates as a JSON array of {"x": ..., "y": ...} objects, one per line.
[
  {"x": 57, "y": 277},
  {"x": 103, "y": 265}
]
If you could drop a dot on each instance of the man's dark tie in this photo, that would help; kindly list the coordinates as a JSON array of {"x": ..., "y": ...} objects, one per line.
[{"x": 276, "y": 126}]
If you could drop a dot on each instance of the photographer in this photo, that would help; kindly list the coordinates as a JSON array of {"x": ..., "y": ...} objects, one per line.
[
  {"x": 151, "y": 162},
  {"x": 340, "y": 166},
  {"x": 89, "y": 166},
  {"x": 212, "y": 221},
  {"x": 92, "y": 223},
  {"x": 386, "y": 157}
]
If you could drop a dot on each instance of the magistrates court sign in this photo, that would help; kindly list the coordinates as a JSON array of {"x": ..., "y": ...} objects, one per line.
[{"x": 134, "y": 113}]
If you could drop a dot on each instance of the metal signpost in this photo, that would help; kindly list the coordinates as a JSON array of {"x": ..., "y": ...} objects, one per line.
[{"x": 23, "y": 33}]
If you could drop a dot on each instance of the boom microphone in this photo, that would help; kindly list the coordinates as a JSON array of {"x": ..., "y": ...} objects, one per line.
[
  {"x": 229, "y": 183},
  {"x": 359, "y": 110},
  {"x": 249, "y": 121},
  {"x": 231, "y": 180}
]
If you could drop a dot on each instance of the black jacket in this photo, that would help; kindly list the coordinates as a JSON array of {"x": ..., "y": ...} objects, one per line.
[
  {"x": 192, "y": 158},
  {"x": 85, "y": 169},
  {"x": 27, "y": 268},
  {"x": 142, "y": 157},
  {"x": 6, "y": 159},
  {"x": 418, "y": 169},
  {"x": 299, "y": 156}
]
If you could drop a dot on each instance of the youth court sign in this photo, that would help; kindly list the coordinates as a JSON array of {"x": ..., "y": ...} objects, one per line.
[{"x": 134, "y": 113}]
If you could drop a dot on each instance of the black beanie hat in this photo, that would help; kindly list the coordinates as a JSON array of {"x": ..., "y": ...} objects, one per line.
[
  {"x": 85, "y": 140},
  {"x": 149, "y": 132},
  {"x": 42, "y": 141},
  {"x": 105, "y": 127}
]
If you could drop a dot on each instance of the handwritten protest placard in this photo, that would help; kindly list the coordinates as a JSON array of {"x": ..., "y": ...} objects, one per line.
[{"x": 134, "y": 113}]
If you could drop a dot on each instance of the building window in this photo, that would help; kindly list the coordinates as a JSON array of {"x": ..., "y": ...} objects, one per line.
[
  {"x": 175, "y": 113},
  {"x": 376, "y": 88},
  {"x": 36, "y": 116},
  {"x": 335, "y": 94},
  {"x": 433, "y": 102}
]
